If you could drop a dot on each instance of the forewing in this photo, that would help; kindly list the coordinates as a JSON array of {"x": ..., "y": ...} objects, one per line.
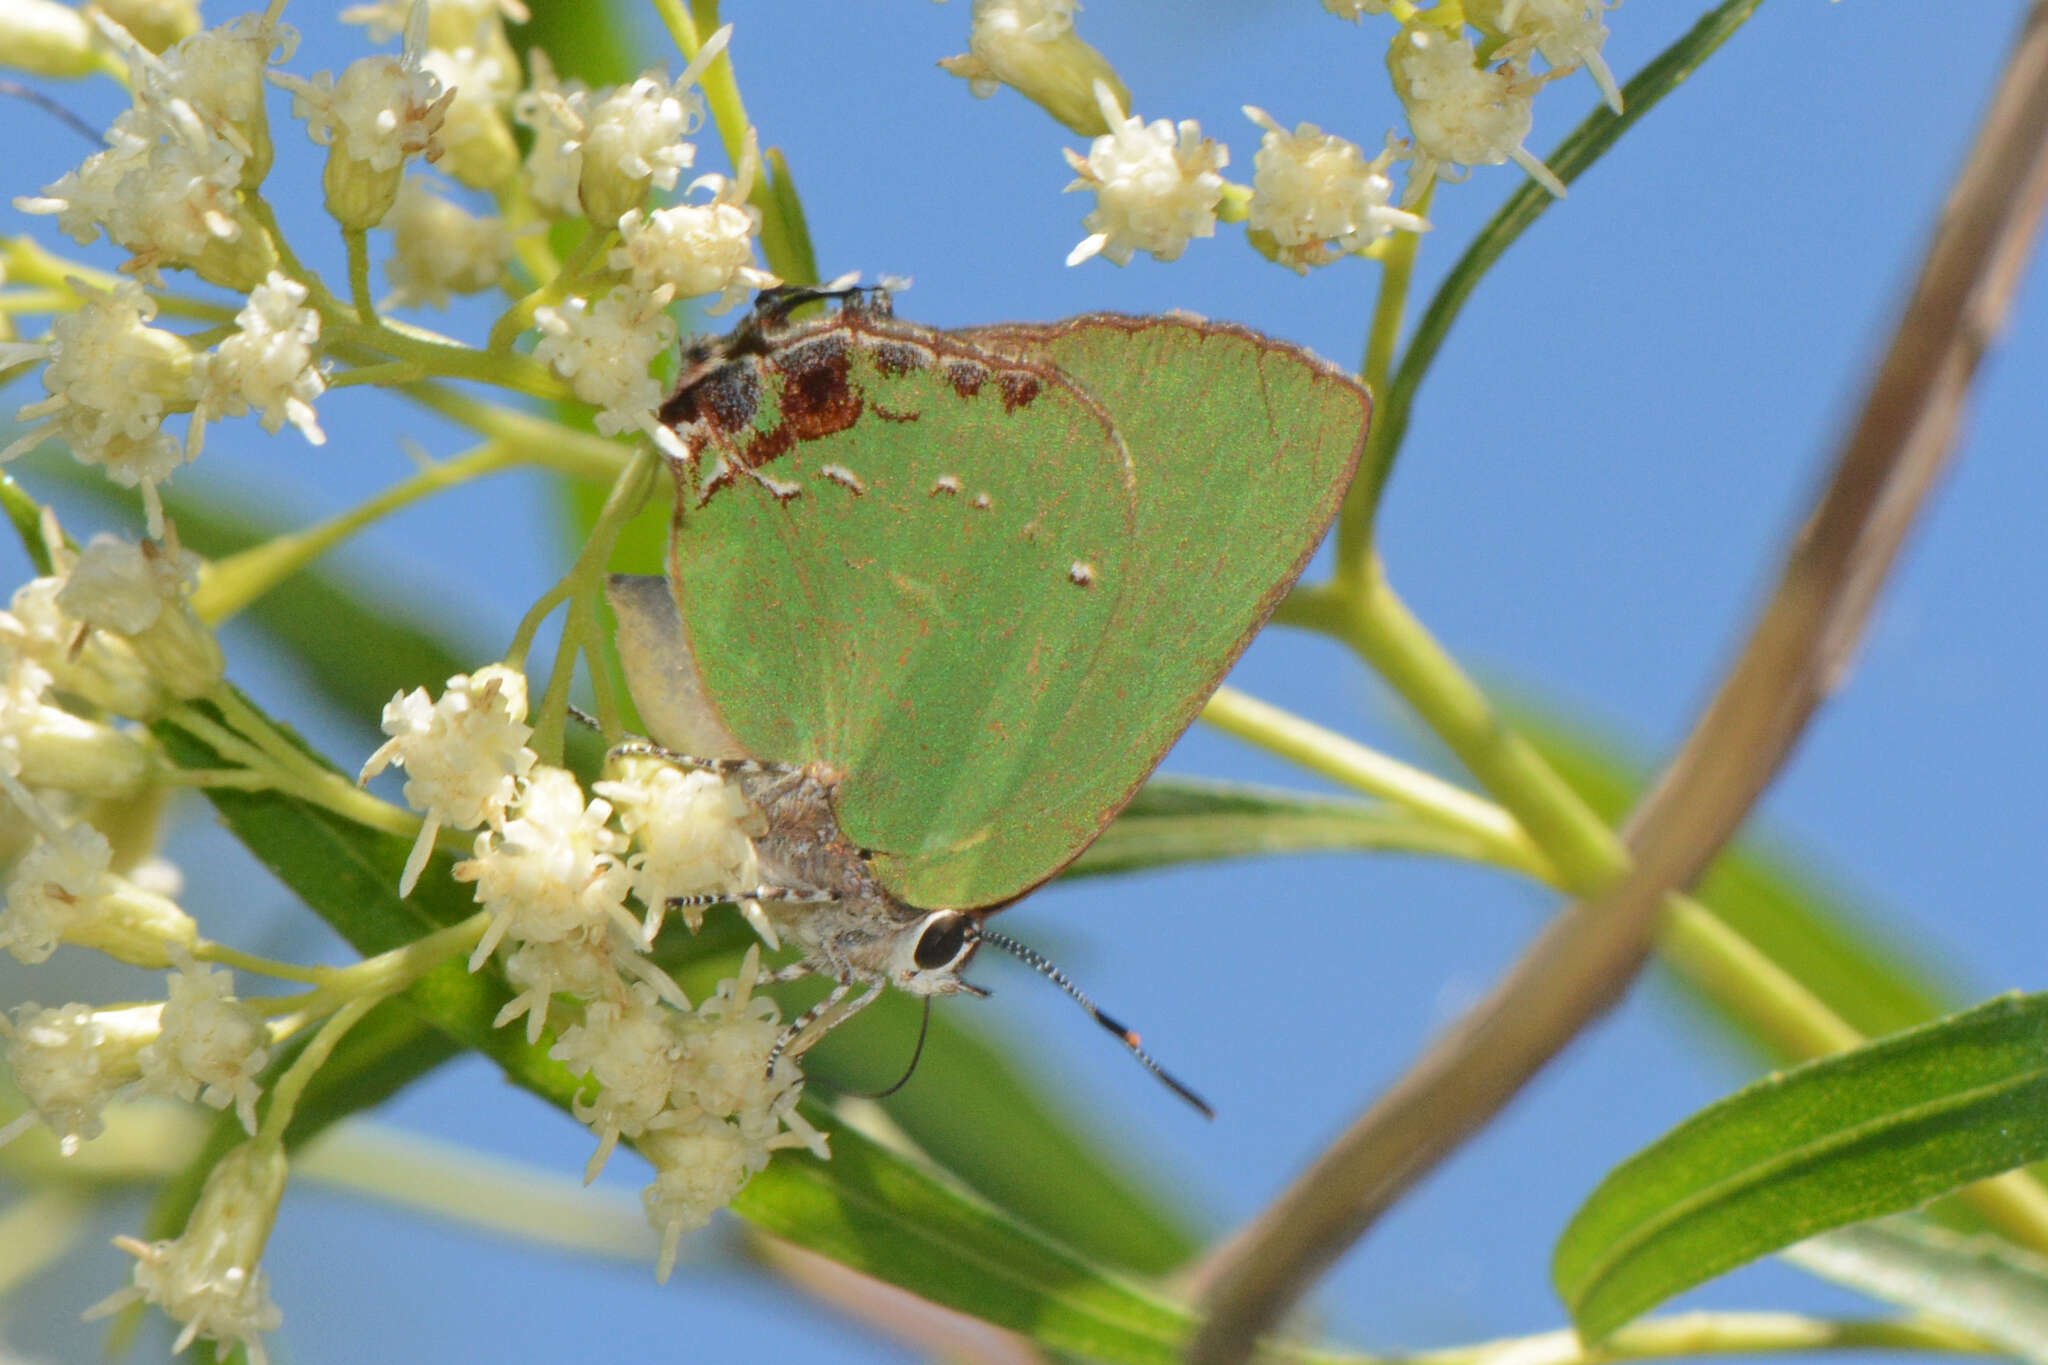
[
  {"x": 930, "y": 611},
  {"x": 1243, "y": 447}
]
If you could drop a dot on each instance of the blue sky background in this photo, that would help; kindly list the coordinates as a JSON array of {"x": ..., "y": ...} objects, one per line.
[{"x": 1613, "y": 448}]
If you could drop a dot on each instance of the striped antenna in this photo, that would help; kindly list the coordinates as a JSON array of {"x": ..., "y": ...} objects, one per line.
[{"x": 1128, "y": 1037}]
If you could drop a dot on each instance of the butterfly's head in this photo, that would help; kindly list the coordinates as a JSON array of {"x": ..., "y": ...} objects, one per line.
[{"x": 930, "y": 953}]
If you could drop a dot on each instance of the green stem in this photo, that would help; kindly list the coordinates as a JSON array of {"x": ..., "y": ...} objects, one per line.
[
  {"x": 785, "y": 236},
  {"x": 285, "y": 1092},
  {"x": 547, "y": 444},
  {"x": 358, "y": 242},
  {"x": 231, "y": 584},
  {"x": 1354, "y": 520},
  {"x": 448, "y": 359},
  {"x": 1437, "y": 802},
  {"x": 517, "y": 318},
  {"x": 1365, "y": 613},
  {"x": 581, "y": 586}
]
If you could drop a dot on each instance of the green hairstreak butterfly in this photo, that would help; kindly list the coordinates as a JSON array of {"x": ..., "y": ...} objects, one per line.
[{"x": 941, "y": 601}]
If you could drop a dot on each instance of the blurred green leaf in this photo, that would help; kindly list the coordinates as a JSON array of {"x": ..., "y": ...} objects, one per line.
[
  {"x": 1182, "y": 820},
  {"x": 586, "y": 39},
  {"x": 357, "y": 644},
  {"x": 1981, "y": 1283},
  {"x": 1877, "y": 1130},
  {"x": 886, "y": 1217}
]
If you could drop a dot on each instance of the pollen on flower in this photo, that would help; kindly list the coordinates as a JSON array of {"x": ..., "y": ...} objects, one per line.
[
  {"x": 1567, "y": 34},
  {"x": 551, "y": 870},
  {"x": 1031, "y": 46},
  {"x": 689, "y": 831},
  {"x": 381, "y": 112},
  {"x": 212, "y": 1047},
  {"x": 464, "y": 755},
  {"x": 1318, "y": 197},
  {"x": 440, "y": 248},
  {"x": 111, "y": 381},
  {"x": 616, "y": 142},
  {"x": 68, "y": 1062},
  {"x": 582, "y": 965},
  {"x": 271, "y": 363},
  {"x": 1156, "y": 186},
  {"x": 55, "y": 884},
  {"x": 698, "y": 249},
  {"x": 208, "y": 1277},
  {"x": 1460, "y": 112}
]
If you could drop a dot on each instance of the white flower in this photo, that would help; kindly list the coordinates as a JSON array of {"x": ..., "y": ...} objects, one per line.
[
  {"x": 477, "y": 145},
  {"x": 702, "y": 1162},
  {"x": 139, "y": 592},
  {"x": 1031, "y": 46},
  {"x": 628, "y": 1046},
  {"x": 208, "y": 1277},
  {"x": 1459, "y": 111},
  {"x": 463, "y": 755},
  {"x": 1156, "y": 186},
  {"x": 698, "y": 249},
  {"x": 97, "y": 666},
  {"x": 690, "y": 831},
  {"x": 1317, "y": 195},
  {"x": 617, "y": 142},
  {"x": 212, "y": 1046},
  {"x": 699, "y": 1169},
  {"x": 43, "y": 745},
  {"x": 1567, "y": 33},
  {"x": 452, "y": 24},
  {"x": 219, "y": 73},
  {"x": 69, "y": 1062},
  {"x": 270, "y": 364},
  {"x": 603, "y": 350},
  {"x": 553, "y": 166},
  {"x": 112, "y": 381},
  {"x": 381, "y": 112},
  {"x": 551, "y": 871},
  {"x": 439, "y": 248},
  {"x": 56, "y": 882},
  {"x": 579, "y": 965},
  {"x": 168, "y": 189}
]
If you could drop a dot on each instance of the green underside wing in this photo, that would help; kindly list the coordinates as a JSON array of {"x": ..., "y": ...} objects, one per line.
[{"x": 986, "y": 577}]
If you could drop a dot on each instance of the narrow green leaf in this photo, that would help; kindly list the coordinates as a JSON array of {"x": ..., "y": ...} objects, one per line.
[
  {"x": 357, "y": 642},
  {"x": 1570, "y": 159},
  {"x": 884, "y": 1216},
  {"x": 25, "y": 514},
  {"x": 1987, "y": 1285},
  {"x": 1183, "y": 820},
  {"x": 1877, "y": 1130}
]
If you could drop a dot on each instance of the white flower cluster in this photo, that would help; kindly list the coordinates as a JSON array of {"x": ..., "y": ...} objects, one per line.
[
  {"x": 1315, "y": 197},
  {"x": 554, "y": 871},
  {"x": 598, "y": 155}
]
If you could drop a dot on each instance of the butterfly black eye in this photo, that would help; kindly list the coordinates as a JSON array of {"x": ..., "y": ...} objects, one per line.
[{"x": 941, "y": 941}]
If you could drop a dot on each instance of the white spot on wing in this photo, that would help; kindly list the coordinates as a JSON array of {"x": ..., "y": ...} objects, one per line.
[
  {"x": 983, "y": 501},
  {"x": 947, "y": 483},
  {"x": 1082, "y": 574},
  {"x": 844, "y": 477}
]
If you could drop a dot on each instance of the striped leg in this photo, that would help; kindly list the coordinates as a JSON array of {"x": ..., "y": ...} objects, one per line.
[
  {"x": 724, "y": 767},
  {"x": 793, "y": 1041}
]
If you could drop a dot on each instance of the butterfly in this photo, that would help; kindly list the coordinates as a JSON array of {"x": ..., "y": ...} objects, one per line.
[{"x": 939, "y": 602}]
